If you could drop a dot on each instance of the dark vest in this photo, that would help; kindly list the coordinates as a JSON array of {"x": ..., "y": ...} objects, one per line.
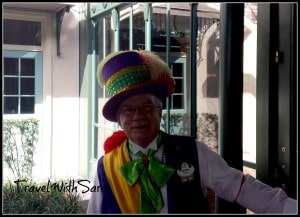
[{"x": 184, "y": 192}]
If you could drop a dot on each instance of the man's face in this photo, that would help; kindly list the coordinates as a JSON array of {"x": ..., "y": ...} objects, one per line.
[{"x": 140, "y": 117}]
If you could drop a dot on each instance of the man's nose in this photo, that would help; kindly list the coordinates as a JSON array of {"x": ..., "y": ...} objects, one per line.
[{"x": 138, "y": 112}]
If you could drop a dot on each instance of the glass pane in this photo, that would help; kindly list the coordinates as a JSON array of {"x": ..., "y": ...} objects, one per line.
[
  {"x": 27, "y": 86},
  {"x": 22, "y": 32},
  {"x": 177, "y": 101},
  {"x": 159, "y": 36},
  {"x": 207, "y": 74},
  {"x": 138, "y": 38},
  {"x": 10, "y": 105},
  {"x": 124, "y": 34},
  {"x": 105, "y": 37},
  {"x": 27, "y": 67},
  {"x": 27, "y": 105},
  {"x": 249, "y": 88},
  {"x": 178, "y": 86},
  {"x": 177, "y": 69},
  {"x": 10, "y": 66},
  {"x": 138, "y": 31},
  {"x": 106, "y": 43},
  {"x": 11, "y": 86}
]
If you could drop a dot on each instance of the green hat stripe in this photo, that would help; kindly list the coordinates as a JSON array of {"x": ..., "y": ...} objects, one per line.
[{"x": 127, "y": 80}]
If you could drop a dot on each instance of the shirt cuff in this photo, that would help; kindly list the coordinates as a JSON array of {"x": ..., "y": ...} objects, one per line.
[{"x": 290, "y": 206}]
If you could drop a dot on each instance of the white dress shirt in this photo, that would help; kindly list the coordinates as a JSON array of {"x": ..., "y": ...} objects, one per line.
[{"x": 224, "y": 181}]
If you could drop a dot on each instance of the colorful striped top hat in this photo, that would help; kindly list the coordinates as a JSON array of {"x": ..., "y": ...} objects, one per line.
[{"x": 129, "y": 73}]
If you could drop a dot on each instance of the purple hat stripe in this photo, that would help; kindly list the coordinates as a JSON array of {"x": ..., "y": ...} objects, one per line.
[{"x": 119, "y": 62}]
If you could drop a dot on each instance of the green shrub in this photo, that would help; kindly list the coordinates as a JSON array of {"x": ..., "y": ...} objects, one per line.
[
  {"x": 34, "y": 199},
  {"x": 178, "y": 124},
  {"x": 207, "y": 127},
  {"x": 19, "y": 143},
  {"x": 208, "y": 130}
]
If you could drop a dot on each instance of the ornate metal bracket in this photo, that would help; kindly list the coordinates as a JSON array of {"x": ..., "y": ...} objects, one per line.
[{"x": 59, "y": 19}]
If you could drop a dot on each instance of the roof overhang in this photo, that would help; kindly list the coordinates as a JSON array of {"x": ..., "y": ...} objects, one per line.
[{"x": 49, "y": 7}]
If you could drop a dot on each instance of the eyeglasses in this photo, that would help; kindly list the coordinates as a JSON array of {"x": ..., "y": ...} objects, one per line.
[{"x": 144, "y": 109}]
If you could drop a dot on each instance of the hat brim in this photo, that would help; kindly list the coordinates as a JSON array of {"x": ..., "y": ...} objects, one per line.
[{"x": 111, "y": 107}]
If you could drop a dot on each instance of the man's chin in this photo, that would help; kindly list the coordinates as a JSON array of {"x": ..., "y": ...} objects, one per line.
[{"x": 141, "y": 135}]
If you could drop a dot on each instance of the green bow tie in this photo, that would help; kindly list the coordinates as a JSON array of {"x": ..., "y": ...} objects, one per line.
[{"x": 152, "y": 174}]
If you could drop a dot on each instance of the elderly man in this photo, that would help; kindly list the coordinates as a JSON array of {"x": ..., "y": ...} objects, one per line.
[{"x": 145, "y": 170}]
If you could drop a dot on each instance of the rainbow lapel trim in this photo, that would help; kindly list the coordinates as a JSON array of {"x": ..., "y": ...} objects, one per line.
[{"x": 128, "y": 198}]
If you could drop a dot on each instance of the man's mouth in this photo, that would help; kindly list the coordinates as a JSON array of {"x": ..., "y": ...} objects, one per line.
[{"x": 139, "y": 127}]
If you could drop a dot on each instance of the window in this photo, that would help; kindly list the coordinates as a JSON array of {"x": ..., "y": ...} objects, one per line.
[
  {"x": 138, "y": 32},
  {"x": 177, "y": 98},
  {"x": 21, "y": 77},
  {"x": 22, "y": 32},
  {"x": 19, "y": 94},
  {"x": 20, "y": 67}
]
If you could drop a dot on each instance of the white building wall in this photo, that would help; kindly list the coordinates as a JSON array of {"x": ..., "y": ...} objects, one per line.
[
  {"x": 249, "y": 97},
  {"x": 42, "y": 155},
  {"x": 57, "y": 152},
  {"x": 211, "y": 105},
  {"x": 65, "y": 95}
]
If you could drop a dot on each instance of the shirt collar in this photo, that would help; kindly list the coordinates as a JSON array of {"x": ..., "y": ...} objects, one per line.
[{"x": 136, "y": 148}]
